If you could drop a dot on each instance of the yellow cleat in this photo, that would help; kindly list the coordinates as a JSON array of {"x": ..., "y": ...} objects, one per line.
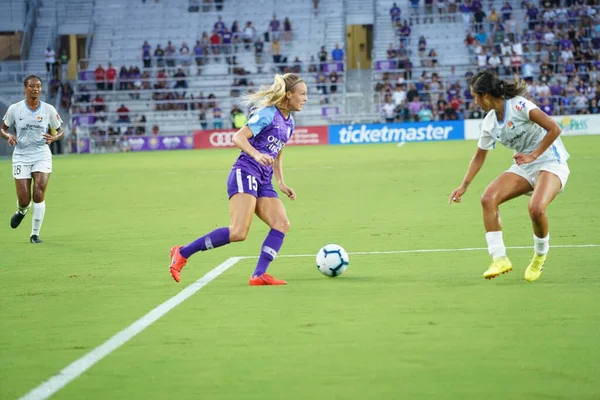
[
  {"x": 500, "y": 265},
  {"x": 535, "y": 268}
]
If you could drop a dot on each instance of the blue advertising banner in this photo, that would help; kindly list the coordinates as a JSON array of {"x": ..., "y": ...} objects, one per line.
[{"x": 395, "y": 133}]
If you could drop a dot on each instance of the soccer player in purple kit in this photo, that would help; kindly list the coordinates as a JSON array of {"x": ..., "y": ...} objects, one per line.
[{"x": 249, "y": 184}]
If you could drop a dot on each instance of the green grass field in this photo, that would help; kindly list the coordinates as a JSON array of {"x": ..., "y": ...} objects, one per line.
[{"x": 395, "y": 326}]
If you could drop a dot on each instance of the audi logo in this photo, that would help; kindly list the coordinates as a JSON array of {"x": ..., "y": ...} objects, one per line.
[{"x": 221, "y": 139}]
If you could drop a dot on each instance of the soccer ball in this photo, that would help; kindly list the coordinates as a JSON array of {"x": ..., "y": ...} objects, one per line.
[{"x": 332, "y": 260}]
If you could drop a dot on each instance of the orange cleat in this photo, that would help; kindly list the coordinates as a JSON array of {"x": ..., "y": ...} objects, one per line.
[
  {"x": 265, "y": 279},
  {"x": 177, "y": 262}
]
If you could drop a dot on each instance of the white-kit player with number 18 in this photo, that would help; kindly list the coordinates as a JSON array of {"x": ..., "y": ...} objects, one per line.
[{"x": 32, "y": 159}]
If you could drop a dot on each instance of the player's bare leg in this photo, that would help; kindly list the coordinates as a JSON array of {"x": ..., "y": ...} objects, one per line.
[
  {"x": 504, "y": 188},
  {"x": 241, "y": 211},
  {"x": 40, "y": 183},
  {"x": 272, "y": 211},
  {"x": 547, "y": 187},
  {"x": 23, "y": 187}
]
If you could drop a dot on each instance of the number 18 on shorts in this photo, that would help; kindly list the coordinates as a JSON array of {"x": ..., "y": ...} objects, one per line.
[{"x": 23, "y": 171}]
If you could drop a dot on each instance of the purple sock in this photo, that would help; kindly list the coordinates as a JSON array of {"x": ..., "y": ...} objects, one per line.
[
  {"x": 212, "y": 240},
  {"x": 269, "y": 250}
]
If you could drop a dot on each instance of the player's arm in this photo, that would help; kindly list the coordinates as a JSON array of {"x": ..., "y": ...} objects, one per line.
[
  {"x": 240, "y": 139},
  {"x": 12, "y": 140},
  {"x": 278, "y": 172},
  {"x": 474, "y": 168},
  {"x": 553, "y": 131},
  {"x": 56, "y": 137}
]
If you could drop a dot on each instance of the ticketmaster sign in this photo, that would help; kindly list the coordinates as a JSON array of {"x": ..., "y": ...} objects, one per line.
[{"x": 394, "y": 133}]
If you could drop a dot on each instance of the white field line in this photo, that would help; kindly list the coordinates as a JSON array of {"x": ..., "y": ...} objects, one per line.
[
  {"x": 559, "y": 246},
  {"x": 81, "y": 365}
]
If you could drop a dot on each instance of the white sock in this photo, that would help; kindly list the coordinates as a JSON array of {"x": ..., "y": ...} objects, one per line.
[
  {"x": 23, "y": 210},
  {"x": 541, "y": 245},
  {"x": 39, "y": 209},
  {"x": 495, "y": 244}
]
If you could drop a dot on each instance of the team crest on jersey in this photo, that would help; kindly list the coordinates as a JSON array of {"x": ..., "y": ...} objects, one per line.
[
  {"x": 39, "y": 118},
  {"x": 520, "y": 105},
  {"x": 510, "y": 125},
  {"x": 58, "y": 118}
]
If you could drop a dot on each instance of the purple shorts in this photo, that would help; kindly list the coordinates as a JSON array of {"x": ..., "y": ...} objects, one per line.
[{"x": 240, "y": 181}]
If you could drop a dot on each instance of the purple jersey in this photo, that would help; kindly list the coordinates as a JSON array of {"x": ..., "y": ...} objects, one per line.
[{"x": 271, "y": 132}]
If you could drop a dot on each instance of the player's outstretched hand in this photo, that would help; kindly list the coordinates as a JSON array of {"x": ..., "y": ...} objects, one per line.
[
  {"x": 521, "y": 158},
  {"x": 288, "y": 191},
  {"x": 456, "y": 195},
  {"x": 12, "y": 140},
  {"x": 264, "y": 159},
  {"x": 48, "y": 138}
]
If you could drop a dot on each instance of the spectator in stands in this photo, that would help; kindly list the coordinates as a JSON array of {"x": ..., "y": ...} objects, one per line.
[
  {"x": 321, "y": 83},
  {"x": 123, "y": 114},
  {"x": 238, "y": 118},
  {"x": 258, "y": 54},
  {"x": 322, "y": 58},
  {"x": 50, "y": 60},
  {"x": 465, "y": 11},
  {"x": 140, "y": 125},
  {"x": 275, "y": 28},
  {"x": 395, "y": 13},
  {"x": 147, "y": 54},
  {"x": 217, "y": 117},
  {"x": 170, "y": 51},
  {"x": 249, "y": 34},
  {"x": 297, "y": 67},
  {"x": 185, "y": 58},
  {"x": 287, "y": 30},
  {"x": 316, "y": 6},
  {"x": 219, "y": 25},
  {"x": 100, "y": 77},
  {"x": 312, "y": 66},
  {"x": 123, "y": 78},
  {"x": 433, "y": 58},
  {"x": 414, "y": 107},
  {"x": 388, "y": 109},
  {"x": 441, "y": 9},
  {"x": 235, "y": 32},
  {"x": 422, "y": 47},
  {"x": 226, "y": 41},
  {"x": 198, "y": 56},
  {"x": 425, "y": 114},
  {"x": 215, "y": 43},
  {"x": 428, "y": 8},
  {"x": 111, "y": 76},
  {"x": 414, "y": 12},
  {"x": 67, "y": 95},
  {"x": 64, "y": 61},
  {"x": 54, "y": 85},
  {"x": 404, "y": 33},
  {"x": 399, "y": 94},
  {"x": 276, "y": 52},
  {"x": 180, "y": 81},
  {"x": 333, "y": 80},
  {"x": 337, "y": 54},
  {"x": 159, "y": 56}
]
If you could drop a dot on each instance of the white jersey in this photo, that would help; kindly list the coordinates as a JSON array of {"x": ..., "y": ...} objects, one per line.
[
  {"x": 518, "y": 132},
  {"x": 30, "y": 126}
]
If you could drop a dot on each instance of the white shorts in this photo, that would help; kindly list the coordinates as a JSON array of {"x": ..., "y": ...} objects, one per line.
[
  {"x": 24, "y": 170},
  {"x": 531, "y": 171}
]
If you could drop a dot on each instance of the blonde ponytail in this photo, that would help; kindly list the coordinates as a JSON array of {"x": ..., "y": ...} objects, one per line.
[{"x": 271, "y": 95}]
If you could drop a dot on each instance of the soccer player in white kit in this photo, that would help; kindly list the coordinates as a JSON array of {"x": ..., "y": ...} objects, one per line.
[
  {"x": 539, "y": 169},
  {"x": 32, "y": 159}
]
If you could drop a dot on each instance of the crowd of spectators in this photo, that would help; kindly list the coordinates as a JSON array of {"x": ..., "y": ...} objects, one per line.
[{"x": 555, "y": 48}]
